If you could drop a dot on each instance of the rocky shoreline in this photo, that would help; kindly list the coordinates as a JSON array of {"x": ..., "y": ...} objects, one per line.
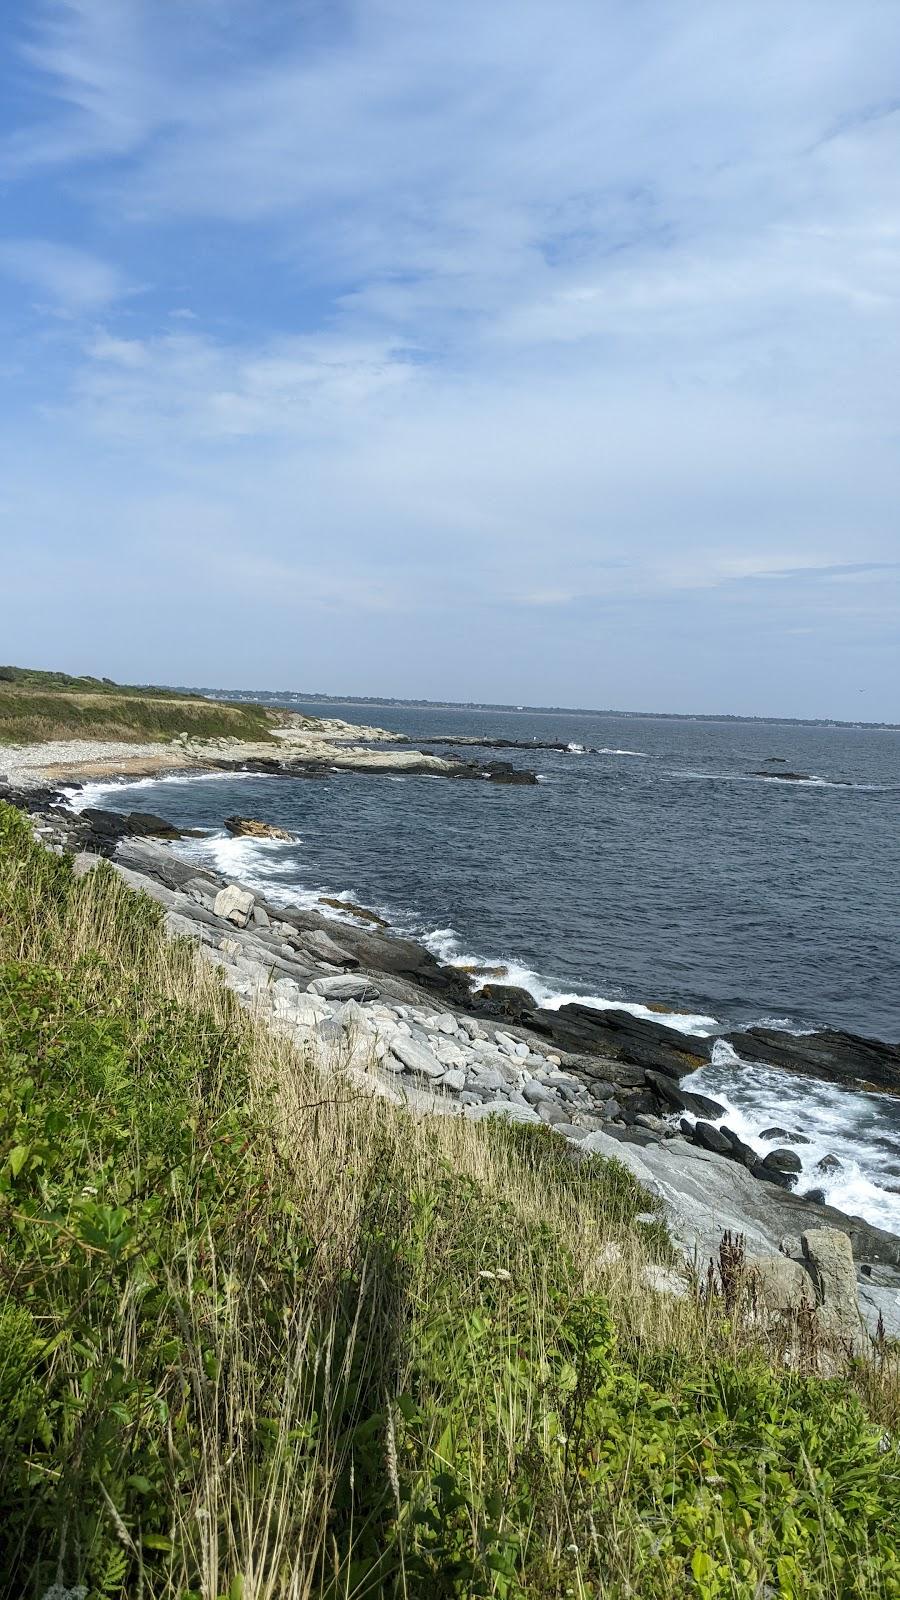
[
  {"x": 416, "y": 1031},
  {"x": 293, "y": 752}
]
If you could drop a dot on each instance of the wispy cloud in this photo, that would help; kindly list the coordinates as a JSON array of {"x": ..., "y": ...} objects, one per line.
[
  {"x": 70, "y": 279},
  {"x": 561, "y": 319}
]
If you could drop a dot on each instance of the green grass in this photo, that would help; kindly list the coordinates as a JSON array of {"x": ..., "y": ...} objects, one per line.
[
  {"x": 37, "y": 706},
  {"x": 263, "y": 1336},
  {"x": 37, "y": 678}
]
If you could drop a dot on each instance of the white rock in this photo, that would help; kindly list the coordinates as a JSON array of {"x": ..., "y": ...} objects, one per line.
[
  {"x": 488, "y": 1078},
  {"x": 445, "y": 1023},
  {"x": 344, "y": 986},
  {"x": 84, "y": 862},
  {"x": 471, "y": 1027},
  {"x": 234, "y": 904},
  {"x": 503, "y": 1108},
  {"x": 455, "y": 1079},
  {"x": 417, "y": 1057},
  {"x": 609, "y": 1254},
  {"x": 450, "y": 1054},
  {"x": 664, "y": 1280}
]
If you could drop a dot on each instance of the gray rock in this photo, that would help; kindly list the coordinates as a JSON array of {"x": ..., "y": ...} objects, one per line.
[
  {"x": 711, "y": 1138},
  {"x": 179, "y": 927},
  {"x": 234, "y": 904},
  {"x": 489, "y": 1078},
  {"x": 416, "y": 1057},
  {"x": 778, "y": 1163},
  {"x": 829, "y": 1163},
  {"x": 784, "y": 1134},
  {"x": 259, "y": 917},
  {"x": 344, "y": 986},
  {"x": 445, "y": 1023},
  {"x": 535, "y": 1092},
  {"x": 84, "y": 862},
  {"x": 880, "y": 1307},
  {"x": 645, "y": 1119},
  {"x": 780, "y": 1284},
  {"x": 454, "y": 1079},
  {"x": 450, "y": 1054},
  {"x": 323, "y": 948},
  {"x": 684, "y": 1099},
  {"x": 830, "y": 1256},
  {"x": 509, "y": 1110},
  {"x": 551, "y": 1112}
]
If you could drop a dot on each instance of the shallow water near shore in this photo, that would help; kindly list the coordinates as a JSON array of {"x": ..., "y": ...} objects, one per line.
[{"x": 657, "y": 869}]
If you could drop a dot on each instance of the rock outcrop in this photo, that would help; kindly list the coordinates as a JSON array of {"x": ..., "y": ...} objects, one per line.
[
  {"x": 252, "y": 828},
  {"x": 837, "y": 1057}
]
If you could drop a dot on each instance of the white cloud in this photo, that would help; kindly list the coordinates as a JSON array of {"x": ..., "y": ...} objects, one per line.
[{"x": 72, "y": 279}]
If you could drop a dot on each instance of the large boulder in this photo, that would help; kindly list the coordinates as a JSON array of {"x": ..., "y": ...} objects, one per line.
[
  {"x": 323, "y": 948},
  {"x": 779, "y": 1166},
  {"x": 234, "y": 904},
  {"x": 344, "y": 986},
  {"x": 504, "y": 999},
  {"x": 700, "y": 1105},
  {"x": 830, "y": 1256},
  {"x": 780, "y": 1285},
  {"x": 416, "y": 1057},
  {"x": 103, "y": 830}
]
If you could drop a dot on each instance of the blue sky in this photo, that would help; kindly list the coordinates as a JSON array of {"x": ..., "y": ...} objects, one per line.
[{"x": 513, "y": 351}]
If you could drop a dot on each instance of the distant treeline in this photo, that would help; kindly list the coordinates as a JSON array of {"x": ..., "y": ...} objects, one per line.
[{"x": 489, "y": 705}]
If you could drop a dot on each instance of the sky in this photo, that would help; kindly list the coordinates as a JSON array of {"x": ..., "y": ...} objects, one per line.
[{"x": 515, "y": 352}]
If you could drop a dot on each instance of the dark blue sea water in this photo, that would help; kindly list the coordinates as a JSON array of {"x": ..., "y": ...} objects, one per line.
[
  {"x": 654, "y": 868},
  {"x": 659, "y": 869}
]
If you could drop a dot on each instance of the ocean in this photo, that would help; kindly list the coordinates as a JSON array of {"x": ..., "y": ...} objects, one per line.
[{"x": 652, "y": 865}]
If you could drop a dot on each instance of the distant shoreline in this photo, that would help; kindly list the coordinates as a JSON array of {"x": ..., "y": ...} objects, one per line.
[{"x": 280, "y": 695}]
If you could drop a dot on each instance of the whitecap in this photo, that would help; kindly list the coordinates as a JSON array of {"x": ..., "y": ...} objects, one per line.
[
  {"x": 97, "y": 788},
  {"x": 861, "y": 1130}
]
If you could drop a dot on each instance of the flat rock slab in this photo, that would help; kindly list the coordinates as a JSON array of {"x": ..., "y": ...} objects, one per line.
[
  {"x": 344, "y": 986},
  {"x": 416, "y": 1057},
  {"x": 323, "y": 948},
  {"x": 510, "y": 1110}
]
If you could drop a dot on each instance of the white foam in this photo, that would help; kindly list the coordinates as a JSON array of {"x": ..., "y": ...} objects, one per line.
[
  {"x": 607, "y": 750},
  {"x": 97, "y": 789},
  {"x": 861, "y": 1130},
  {"x": 811, "y": 782},
  {"x": 444, "y": 943}
]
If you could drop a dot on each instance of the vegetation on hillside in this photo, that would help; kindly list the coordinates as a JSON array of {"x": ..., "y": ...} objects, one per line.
[
  {"x": 38, "y": 678},
  {"x": 36, "y": 706},
  {"x": 264, "y": 1336}
]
